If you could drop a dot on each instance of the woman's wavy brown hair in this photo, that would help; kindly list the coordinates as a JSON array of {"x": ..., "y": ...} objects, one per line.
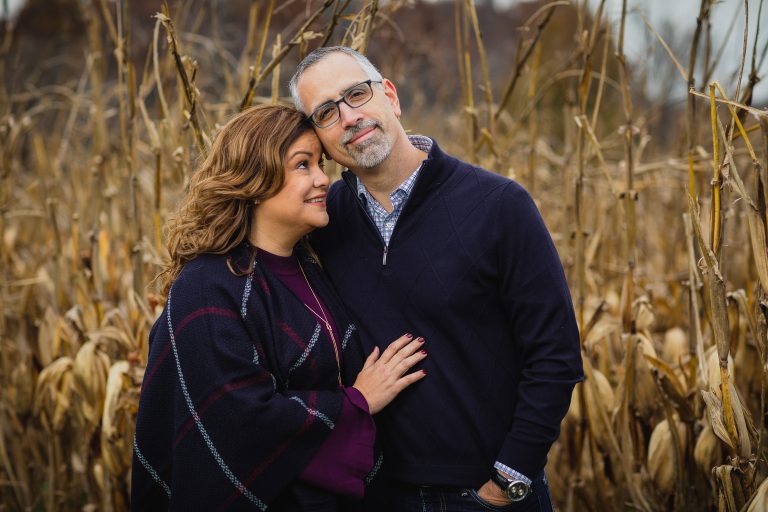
[{"x": 245, "y": 164}]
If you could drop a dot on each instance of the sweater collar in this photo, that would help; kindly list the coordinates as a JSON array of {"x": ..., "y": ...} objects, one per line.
[{"x": 434, "y": 170}]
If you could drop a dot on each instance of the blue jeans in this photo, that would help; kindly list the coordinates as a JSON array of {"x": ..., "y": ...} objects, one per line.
[{"x": 391, "y": 497}]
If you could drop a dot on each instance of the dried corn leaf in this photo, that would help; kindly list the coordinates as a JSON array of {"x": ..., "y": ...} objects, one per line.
[
  {"x": 724, "y": 477},
  {"x": 715, "y": 409},
  {"x": 672, "y": 387}
]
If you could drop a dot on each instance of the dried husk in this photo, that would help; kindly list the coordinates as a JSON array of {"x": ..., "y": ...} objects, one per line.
[
  {"x": 744, "y": 425},
  {"x": 759, "y": 502},
  {"x": 661, "y": 459},
  {"x": 708, "y": 451},
  {"x": 118, "y": 417},
  {"x": 759, "y": 246},
  {"x": 675, "y": 346},
  {"x": 645, "y": 399},
  {"x": 20, "y": 393},
  {"x": 112, "y": 427},
  {"x": 599, "y": 398},
  {"x": 90, "y": 370},
  {"x": 713, "y": 371},
  {"x": 645, "y": 317},
  {"x": 714, "y": 407},
  {"x": 53, "y": 392}
]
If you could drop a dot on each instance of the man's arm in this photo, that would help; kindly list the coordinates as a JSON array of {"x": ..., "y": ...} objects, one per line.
[{"x": 535, "y": 295}]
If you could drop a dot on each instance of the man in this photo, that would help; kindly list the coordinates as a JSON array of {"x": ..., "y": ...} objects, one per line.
[{"x": 422, "y": 242}]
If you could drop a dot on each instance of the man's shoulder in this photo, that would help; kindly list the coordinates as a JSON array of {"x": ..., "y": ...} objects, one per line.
[
  {"x": 474, "y": 176},
  {"x": 336, "y": 188}
]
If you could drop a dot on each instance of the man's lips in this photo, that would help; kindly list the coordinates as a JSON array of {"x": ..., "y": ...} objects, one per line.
[{"x": 361, "y": 134}]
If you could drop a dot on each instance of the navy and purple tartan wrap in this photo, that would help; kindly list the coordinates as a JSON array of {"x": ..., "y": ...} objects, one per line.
[{"x": 240, "y": 388}]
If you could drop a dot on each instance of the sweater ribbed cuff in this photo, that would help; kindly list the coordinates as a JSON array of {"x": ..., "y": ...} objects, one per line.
[{"x": 526, "y": 457}]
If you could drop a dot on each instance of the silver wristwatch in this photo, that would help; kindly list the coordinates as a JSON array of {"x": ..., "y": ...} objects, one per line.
[{"x": 514, "y": 490}]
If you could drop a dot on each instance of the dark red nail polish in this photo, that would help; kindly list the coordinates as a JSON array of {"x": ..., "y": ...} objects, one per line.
[
  {"x": 408, "y": 335},
  {"x": 424, "y": 352},
  {"x": 420, "y": 339},
  {"x": 424, "y": 372}
]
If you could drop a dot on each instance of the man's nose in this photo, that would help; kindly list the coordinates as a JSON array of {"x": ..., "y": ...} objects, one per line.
[{"x": 349, "y": 116}]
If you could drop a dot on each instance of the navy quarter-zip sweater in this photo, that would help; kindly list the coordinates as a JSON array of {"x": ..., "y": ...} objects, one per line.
[{"x": 471, "y": 267}]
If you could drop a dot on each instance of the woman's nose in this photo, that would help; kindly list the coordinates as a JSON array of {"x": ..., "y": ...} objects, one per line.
[{"x": 321, "y": 179}]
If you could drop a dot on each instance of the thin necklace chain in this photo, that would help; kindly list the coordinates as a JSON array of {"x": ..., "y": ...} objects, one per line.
[{"x": 323, "y": 319}]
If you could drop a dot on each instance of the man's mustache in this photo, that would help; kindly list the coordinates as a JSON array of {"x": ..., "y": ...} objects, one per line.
[{"x": 351, "y": 133}]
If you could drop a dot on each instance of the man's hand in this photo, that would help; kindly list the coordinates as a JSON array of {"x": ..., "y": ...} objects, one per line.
[{"x": 491, "y": 493}]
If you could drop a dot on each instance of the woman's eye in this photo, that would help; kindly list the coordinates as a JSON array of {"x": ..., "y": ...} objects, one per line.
[{"x": 303, "y": 165}]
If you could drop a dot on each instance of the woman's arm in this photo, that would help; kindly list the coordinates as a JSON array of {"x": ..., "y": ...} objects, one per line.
[{"x": 346, "y": 457}]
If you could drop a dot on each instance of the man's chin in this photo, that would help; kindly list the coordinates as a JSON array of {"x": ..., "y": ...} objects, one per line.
[{"x": 370, "y": 155}]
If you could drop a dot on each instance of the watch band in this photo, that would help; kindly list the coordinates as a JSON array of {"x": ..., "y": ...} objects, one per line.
[{"x": 514, "y": 490}]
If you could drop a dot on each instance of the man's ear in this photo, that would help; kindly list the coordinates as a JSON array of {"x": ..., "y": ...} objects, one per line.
[{"x": 391, "y": 92}]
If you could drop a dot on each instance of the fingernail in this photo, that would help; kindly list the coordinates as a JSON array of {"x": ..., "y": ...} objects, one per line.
[
  {"x": 408, "y": 335},
  {"x": 424, "y": 372},
  {"x": 421, "y": 340},
  {"x": 424, "y": 352}
]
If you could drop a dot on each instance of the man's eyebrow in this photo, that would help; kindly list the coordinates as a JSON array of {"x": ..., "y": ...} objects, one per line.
[
  {"x": 341, "y": 94},
  {"x": 345, "y": 91}
]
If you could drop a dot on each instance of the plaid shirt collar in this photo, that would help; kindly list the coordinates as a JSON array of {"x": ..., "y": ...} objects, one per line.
[{"x": 384, "y": 220}]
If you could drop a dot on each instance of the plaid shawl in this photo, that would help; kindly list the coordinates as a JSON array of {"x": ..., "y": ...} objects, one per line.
[{"x": 240, "y": 388}]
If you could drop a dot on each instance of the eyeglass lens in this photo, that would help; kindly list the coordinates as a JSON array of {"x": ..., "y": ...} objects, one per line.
[{"x": 355, "y": 97}]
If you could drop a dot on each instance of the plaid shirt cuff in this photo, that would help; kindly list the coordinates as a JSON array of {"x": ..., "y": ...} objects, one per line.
[{"x": 514, "y": 475}]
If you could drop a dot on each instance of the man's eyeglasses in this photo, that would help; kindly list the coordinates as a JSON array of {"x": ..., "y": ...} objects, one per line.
[{"x": 356, "y": 96}]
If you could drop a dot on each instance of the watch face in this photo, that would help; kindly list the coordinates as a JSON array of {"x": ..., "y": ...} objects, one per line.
[{"x": 517, "y": 490}]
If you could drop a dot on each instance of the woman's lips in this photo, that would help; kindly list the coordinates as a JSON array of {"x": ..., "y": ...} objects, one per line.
[{"x": 319, "y": 200}]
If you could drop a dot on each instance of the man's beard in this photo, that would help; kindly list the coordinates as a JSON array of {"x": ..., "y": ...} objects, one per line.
[{"x": 371, "y": 152}]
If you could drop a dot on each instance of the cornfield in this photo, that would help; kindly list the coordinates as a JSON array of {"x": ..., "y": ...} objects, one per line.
[{"x": 663, "y": 234}]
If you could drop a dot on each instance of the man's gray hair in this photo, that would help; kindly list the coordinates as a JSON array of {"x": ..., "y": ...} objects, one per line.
[{"x": 319, "y": 54}]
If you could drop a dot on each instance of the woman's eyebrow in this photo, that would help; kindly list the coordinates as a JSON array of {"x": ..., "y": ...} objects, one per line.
[{"x": 300, "y": 152}]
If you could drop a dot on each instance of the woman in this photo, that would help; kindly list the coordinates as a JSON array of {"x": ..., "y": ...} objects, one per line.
[{"x": 254, "y": 396}]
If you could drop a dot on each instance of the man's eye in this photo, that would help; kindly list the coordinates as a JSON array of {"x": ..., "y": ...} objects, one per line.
[
  {"x": 356, "y": 94},
  {"x": 324, "y": 113}
]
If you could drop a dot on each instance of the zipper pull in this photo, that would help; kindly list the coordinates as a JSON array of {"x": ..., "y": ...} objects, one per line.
[{"x": 384, "y": 258}]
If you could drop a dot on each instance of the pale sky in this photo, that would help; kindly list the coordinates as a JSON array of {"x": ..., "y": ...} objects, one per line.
[
  {"x": 680, "y": 18},
  {"x": 677, "y": 18}
]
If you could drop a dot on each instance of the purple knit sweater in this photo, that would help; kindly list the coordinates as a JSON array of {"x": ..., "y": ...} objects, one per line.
[{"x": 349, "y": 446}]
